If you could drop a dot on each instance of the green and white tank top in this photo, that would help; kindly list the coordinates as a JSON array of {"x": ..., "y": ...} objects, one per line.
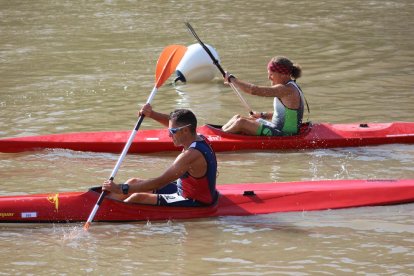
[{"x": 285, "y": 119}]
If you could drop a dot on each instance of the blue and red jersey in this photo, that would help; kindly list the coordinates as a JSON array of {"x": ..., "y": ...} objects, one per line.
[{"x": 202, "y": 189}]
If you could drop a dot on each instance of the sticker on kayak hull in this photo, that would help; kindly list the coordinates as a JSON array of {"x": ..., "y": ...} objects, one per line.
[
  {"x": 54, "y": 199},
  {"x": 4, "y": 215},
  {"x": 29, "y": 215},
  {"x": 214, "y": 137}
]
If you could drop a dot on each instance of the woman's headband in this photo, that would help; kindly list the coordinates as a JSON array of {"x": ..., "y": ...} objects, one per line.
[{"x": 280, "y": 68}]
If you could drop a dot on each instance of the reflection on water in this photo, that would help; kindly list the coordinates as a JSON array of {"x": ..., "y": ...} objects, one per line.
[
  {"x": 369, "y": 239},
  {"x": 88, "y": 66},
  {"x": 42, "y": 170}
]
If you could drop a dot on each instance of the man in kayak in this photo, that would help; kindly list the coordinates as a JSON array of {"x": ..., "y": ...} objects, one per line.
[
  {"x": 288, "y": 102},
  {"x": 195, "y": 168}
]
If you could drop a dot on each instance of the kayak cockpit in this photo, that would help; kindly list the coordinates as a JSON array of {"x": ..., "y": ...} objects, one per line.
[
  {"x": 98, "y": 191},
  {"x": 216, "y": 130}
]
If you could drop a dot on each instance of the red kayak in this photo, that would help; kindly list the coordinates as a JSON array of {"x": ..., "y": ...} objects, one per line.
[
  {"x": 312, "y": 136},
  {"x": 234, "y": 200}
]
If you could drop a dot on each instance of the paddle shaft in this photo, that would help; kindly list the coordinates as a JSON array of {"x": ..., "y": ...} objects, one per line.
[
  {"x": 132, "y": 136},
  {"x": 216, "y": 62}
]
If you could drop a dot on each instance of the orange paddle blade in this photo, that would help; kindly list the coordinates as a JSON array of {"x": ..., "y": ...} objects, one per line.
[{"x": 167, "y": 62}]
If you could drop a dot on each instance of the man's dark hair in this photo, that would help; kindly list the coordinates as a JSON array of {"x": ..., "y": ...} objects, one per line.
[{"x": 184, "y": 117}]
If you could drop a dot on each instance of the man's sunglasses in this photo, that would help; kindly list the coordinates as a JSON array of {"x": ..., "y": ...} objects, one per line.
[{"x": 174, "y": 130}]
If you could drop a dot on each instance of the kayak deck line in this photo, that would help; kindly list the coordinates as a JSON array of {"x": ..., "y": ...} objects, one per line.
[
  {"x": 311, "y": 136},
  {"x": 240, "y": 199},
  {"x": 400, "y": 135}
]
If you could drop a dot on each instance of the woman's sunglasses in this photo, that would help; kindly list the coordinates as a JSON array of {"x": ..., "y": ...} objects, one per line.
[{"x": 174, "y": 130}]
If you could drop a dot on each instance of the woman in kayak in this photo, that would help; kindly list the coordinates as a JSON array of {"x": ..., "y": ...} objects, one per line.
[
  {"x": 288, "y": 102},
  {"x": 195, "y": 168}
]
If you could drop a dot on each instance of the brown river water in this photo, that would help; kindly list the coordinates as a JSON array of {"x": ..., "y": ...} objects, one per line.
[{"x": 68, "y": 66}]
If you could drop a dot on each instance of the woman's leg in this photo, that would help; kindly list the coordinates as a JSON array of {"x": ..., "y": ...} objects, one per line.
[
  {"x": 230, "y": 122},
  {"x": 243, "y": 125}
]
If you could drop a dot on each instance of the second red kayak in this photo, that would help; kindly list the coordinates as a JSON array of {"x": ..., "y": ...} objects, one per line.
[
  {"x": 242, "y": 199},
  {"x": 312, "y": 136}
]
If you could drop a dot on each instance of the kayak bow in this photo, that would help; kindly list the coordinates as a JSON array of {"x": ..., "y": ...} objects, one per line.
[
  {"x": 234, "y": 200},
  {"x": 311, "y": 136}
]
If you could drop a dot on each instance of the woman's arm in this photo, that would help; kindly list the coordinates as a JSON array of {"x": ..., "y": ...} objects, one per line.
[{"x": 278, "y": 90}]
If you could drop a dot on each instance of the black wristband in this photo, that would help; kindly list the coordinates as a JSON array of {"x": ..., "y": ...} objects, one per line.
[
  {"x": 125, "y": 188},
  {"x": 230, "y": 77}
]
